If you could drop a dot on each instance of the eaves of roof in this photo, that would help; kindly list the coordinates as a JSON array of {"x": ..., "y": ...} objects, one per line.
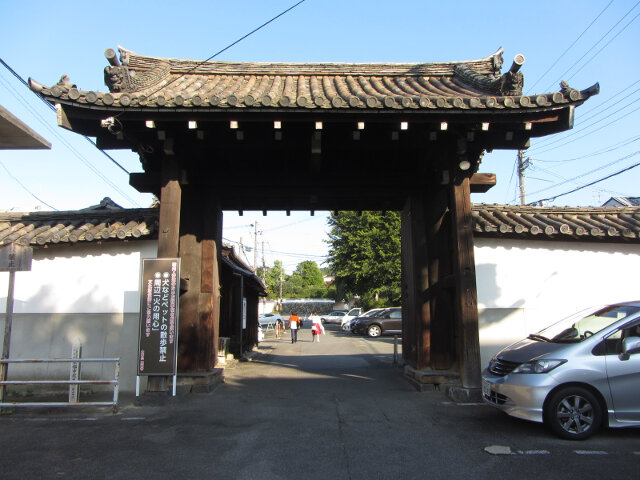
[
  {"x": 78, "y": 226},
  {"x": 138, "y": 82},
  {"x": 585, "y": 224},
  {"x": 230, "y": 259}
]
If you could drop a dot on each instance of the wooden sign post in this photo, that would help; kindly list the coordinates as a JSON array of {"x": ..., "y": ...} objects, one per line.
[{"x": 13, "y": 258}]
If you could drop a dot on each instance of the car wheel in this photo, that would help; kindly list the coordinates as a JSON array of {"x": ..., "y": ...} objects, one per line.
[
  {"x": 374, "y": 331},
  {"x": 573, "y": 413}
]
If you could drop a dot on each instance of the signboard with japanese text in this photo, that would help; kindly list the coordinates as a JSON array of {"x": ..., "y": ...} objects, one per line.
[
  {"x": 15, "y": 258},
  {"x": 159, "y": 301}
]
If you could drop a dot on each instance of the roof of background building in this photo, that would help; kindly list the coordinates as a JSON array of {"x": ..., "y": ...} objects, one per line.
[
  {"x": 106, "y": 222},
  {"x": 622, "y": 202}
]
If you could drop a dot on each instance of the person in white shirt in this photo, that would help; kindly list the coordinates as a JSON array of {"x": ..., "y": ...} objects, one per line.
[{"x": 317, "y": 328}]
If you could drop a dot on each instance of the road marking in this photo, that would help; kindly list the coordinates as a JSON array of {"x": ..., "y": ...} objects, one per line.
[
  {"x": 590, "y": 452},
  {"x": 498, "y": 450},
  {"x": 131, "y": 419},
  {"x": 535, "y": 452}
]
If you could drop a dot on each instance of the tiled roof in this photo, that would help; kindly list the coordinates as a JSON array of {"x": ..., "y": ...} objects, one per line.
[
  {"x": 586, "y": 224},
  {"x": 141, "y": 82},
  {"x": 78, "y": 226},
  {"x": 558, "y": 223}
]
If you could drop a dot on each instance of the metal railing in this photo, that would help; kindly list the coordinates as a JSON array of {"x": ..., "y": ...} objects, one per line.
[{"x": 115, "y": 382}]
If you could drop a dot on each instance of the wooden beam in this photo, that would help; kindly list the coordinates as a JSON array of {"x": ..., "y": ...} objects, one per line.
[{"x": 482, "y": 182}]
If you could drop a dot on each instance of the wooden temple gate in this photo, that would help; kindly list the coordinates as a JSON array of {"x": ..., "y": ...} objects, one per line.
[{"x": 216, "y": 136}]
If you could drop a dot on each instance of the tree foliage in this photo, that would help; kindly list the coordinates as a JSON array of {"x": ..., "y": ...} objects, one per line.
[
  {"x": 364, "y": 254},
  {"x": 307, "y": 281}
]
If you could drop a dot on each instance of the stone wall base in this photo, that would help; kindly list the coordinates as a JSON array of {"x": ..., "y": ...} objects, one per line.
[
  {"x": 199, "y": 382},
  {"x": 424, "y": 380}
]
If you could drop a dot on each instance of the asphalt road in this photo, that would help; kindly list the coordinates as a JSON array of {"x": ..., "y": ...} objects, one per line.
[{"x": 338, "y": 409}]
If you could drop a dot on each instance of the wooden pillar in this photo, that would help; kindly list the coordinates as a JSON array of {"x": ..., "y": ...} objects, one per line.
[
  {"x": 169, "y": 219},
  {"x": 416, "y": 341},
  {"x": 466, "y": 299},
  {"x": 168, "y": 236},
  {"x": 200, "y": 236},
  {"x": 427, "y": 281},
  {"x": 439, "y": 297}
]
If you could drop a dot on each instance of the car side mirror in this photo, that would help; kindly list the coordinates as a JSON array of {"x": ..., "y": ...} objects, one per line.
[{"x": 630, "y": 345}]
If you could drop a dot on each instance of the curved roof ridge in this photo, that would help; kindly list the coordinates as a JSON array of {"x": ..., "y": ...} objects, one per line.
[{"x": 489, "y": 65}]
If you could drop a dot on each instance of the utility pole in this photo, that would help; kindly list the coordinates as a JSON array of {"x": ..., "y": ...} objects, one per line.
[
  {"x": 255, "y": 246},
  {"x": 264, "y": 267},
  {"x": 523, "y": 163}
]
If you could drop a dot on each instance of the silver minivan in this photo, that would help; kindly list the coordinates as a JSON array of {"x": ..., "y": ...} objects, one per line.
[{"x": 575, "y": 376}]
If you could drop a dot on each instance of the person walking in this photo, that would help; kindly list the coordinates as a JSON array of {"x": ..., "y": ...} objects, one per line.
[
  {"x": 317, "y": 328},
  {"x": 294, "y": 322}
]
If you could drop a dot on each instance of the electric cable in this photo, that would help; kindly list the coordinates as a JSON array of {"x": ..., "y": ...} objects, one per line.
[
  {"x": 570, "y": 46},
  {"x": 67, "y": 144},
  {"x": 607, "y": 149},
  {"x": 585, "y": 186},
  {"x": 597, "y": 169},
  {"x": 603, "y": 47},
  {"x": 56, "y": 133},
  {"x": 23, "y": 81},
  {"x": 26, "y": 189},
  {"x": 227, "y": 47},
  {"x": 593, "y": 46},
  {"x": 544, "y": 149}
]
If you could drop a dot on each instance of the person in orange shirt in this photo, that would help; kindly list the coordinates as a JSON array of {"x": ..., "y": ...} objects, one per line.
[{"x": 294, "y": 323}]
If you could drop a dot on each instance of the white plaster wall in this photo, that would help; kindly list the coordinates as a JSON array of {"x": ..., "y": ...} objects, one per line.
[
  {"x": 78, "y": 292},
  {"x": 524, "y": 286},
  {"x": 81, "y": 279}
]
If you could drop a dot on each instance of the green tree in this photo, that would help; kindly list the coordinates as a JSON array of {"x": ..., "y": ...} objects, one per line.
[
  {"x": 272, "y": 277},
  {"x": 305, "y": 282},
  {"x": 364, "y": 254}
]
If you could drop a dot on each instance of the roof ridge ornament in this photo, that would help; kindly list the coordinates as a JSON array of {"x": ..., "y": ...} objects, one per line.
[
  {"x": 120, "y": 76},
  {"x": 509, "y": 84}
]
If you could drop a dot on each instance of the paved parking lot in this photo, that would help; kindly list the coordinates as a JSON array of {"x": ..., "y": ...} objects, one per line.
[{"x": 337, "y": 409}]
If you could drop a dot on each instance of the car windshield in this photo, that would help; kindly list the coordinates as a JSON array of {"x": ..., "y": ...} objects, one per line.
[{"x": 582, "y": 325}]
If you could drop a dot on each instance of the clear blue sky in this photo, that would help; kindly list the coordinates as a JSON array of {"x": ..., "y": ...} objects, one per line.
[{"x": 44, "y": 41}]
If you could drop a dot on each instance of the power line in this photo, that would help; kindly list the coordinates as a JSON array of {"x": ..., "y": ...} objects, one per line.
[
  {"x": 570, "y": 46},
  {"x": 597, "y": 169},
  {"x": 23, "y": 81},
  {"x": 288, "y": 254},
  {"x": 68, "y": 145},
  {"x": 587, "y": 185},
  {"x": 227, "y": 47},
  {"x": 593, "y": 46},
  {"x": 608, "y": 149},
  {"x": 27, "y": 190},
  {"x": 604, "y": 46},
  {"x": 587, "y": 127}
]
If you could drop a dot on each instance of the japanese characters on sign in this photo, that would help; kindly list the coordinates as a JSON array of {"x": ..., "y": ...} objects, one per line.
[
  {"x": 15, "y": 258},
  {"x": 159, "y": 294}
]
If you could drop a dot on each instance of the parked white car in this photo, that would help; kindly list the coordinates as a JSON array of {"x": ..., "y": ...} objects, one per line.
[
  {"x": 333, "y": 317},
  {"x": 269, "y": 319},
  {"x": 576, "y": 376},
  {"x": 351, "y": 314}
]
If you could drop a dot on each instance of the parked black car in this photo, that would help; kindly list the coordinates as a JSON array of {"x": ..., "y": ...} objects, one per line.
[{"x": 388, "y": 320}]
